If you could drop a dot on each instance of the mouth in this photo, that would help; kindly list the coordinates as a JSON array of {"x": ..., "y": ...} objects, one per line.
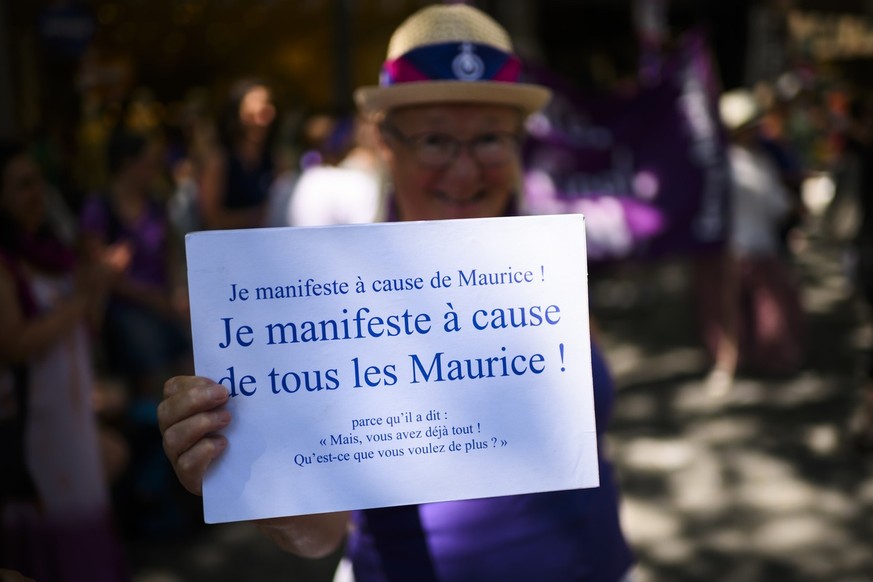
[
  {"x": 474, "y": 206},
  {"x": 460, "y": 202}
]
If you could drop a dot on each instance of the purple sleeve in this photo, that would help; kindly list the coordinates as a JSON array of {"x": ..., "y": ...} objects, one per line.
[{"x": 93, "y": 219}]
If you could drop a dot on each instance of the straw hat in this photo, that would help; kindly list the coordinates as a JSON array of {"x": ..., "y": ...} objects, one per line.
[
  {"x": 739, "y": 109},
  {"x": 450, "y": 53}
]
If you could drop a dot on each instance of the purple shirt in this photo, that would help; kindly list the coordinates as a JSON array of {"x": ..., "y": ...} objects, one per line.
[
  {"x": 557, "y": 536},
  {"x": 147, "y": 237}
]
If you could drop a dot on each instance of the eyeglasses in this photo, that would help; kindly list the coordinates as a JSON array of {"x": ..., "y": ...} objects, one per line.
[{"x": 439, "y": 149}]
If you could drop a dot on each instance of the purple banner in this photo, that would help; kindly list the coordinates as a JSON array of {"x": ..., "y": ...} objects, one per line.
[{"x": 648, "y": 170}]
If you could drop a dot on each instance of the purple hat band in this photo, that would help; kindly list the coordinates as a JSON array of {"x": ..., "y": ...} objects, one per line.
[{"x": 453, "y": 61}]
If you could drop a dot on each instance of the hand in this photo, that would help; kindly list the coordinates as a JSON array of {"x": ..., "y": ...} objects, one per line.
[
  {"x": 117, "y": 257},
  {"x": 97, "y": 271},
  {"x": 188, "y": 416}
]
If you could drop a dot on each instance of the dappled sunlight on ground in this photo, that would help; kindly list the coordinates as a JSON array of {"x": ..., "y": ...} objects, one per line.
[{"x": 760, "y": 483}]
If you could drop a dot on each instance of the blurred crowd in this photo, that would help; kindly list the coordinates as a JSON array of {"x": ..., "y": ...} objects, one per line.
[{"x": 93, "y": 297}]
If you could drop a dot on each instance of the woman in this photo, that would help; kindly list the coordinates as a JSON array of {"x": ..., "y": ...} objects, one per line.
[
  {"x": 145, "y": 322},
  {"x": 55, "y": 510},
  {"x": 451, "y": 148},
  {"x": 767, "y": 314},
  {"x": 238, "y": 172},
  {"x": 144, "y": 335}
]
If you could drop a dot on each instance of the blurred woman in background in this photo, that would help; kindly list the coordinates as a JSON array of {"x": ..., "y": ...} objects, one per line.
[
  {"x": 239, "y": 170},
  {"x": 56, "y": 522}
]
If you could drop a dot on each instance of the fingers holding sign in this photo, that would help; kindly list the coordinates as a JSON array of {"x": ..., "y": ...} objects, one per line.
[{"x": 189, "y": 416}]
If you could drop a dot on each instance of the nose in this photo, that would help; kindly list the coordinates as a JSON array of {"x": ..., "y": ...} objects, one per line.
[{"x": 462, "y": 177}]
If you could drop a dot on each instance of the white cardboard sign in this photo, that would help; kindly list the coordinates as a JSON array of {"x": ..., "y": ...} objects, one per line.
[{"x": 394, "y": 364}]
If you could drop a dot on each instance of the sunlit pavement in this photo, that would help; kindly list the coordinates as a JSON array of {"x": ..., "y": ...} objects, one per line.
[{"x": 760, "y": 484}]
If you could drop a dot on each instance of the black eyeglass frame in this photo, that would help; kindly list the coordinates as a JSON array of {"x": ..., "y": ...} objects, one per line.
[{"x": 416, "y": 143}]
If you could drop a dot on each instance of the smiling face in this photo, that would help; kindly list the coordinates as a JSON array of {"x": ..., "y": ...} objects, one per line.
[
  {"x": 463, "y": 187},
  {"x": 256, "y": 108}
]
